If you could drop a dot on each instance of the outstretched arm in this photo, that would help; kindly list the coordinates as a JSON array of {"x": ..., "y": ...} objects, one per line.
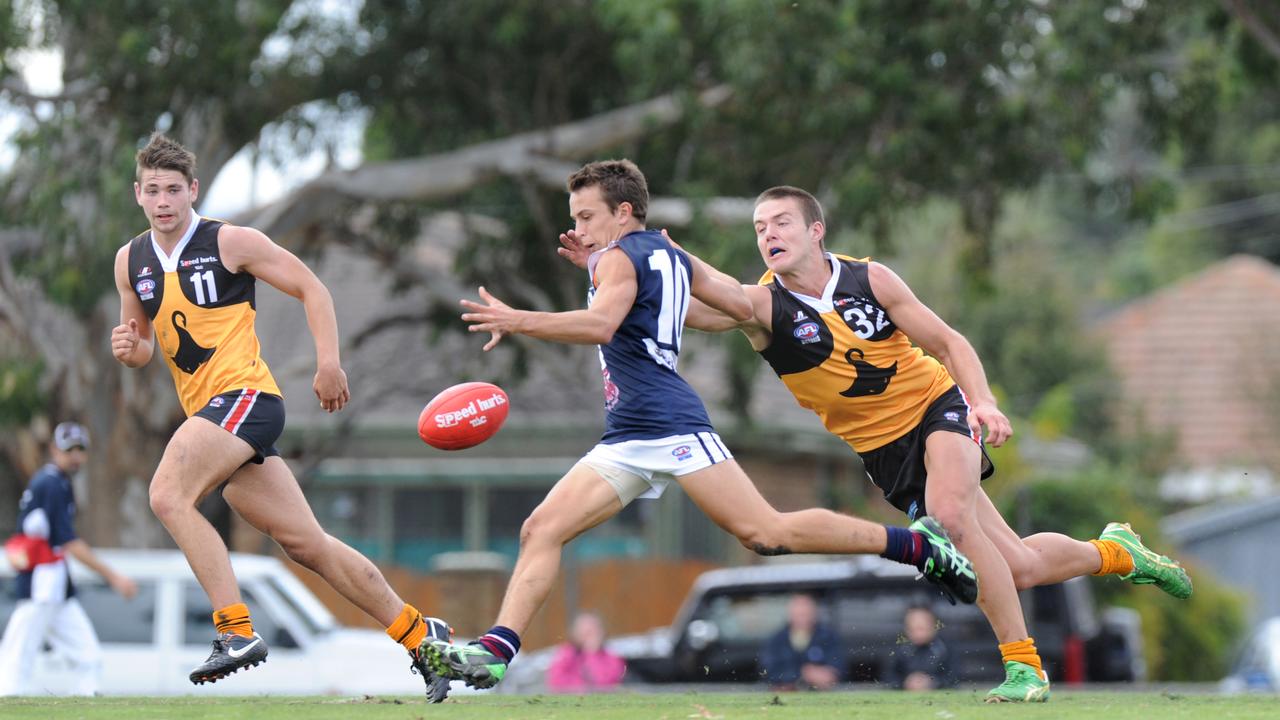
[
  {"x": 80, "y": 550},
  {"x": 248, "y": 250},
  {"x": 615, "y": 293},
  {"x": 951, "y": 348},
  {"x": 702, "y": 316},
  {"x": 131, "y": 340},
  {"x": 718, "y": 291},
  {"x": 758, "y": 328}
]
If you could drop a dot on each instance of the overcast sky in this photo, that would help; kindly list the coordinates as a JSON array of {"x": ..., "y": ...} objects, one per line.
[{"x": 238, "y": 186}]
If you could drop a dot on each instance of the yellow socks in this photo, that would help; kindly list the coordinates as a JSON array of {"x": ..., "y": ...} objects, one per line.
[
  {"x": 408, "y": 629},
  {"x": 1023, "y": 651},
  {"x": 1115, "y": 559},
  {"x": 233, "y": 619}
]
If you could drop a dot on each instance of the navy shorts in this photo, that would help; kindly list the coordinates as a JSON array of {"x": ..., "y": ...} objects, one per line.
[
  {"x": 251, "y": 415},
  {"x": 898, "y": 468}
]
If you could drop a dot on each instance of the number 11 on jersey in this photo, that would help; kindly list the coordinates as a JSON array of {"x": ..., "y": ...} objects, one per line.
[{"x": 203, "y": 280}]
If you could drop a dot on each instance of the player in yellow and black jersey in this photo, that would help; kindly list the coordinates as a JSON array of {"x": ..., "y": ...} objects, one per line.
[
  {"x": 839, "y": 333},
  {"x": 187, "y": 288}
]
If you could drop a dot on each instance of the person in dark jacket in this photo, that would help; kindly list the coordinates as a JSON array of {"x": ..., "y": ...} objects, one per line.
[
  {"x": 47, "y": 611},
  {"x": 805, "y": 653},
  {"x": 920, "y": 662}
]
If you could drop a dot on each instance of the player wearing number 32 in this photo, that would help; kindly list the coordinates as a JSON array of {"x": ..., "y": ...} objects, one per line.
[
  {"x": 656, "y": 428},
  {"x": 187, "y": 285},
  {"x": 839, "y": 333}
]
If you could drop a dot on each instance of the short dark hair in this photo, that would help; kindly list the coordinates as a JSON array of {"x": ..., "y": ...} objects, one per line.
[
  {"x": 165, "y": 153},
  {"x": 810, "y": 208},
  {"x": 920, "y": 607},
  {"x": 619, "y": 181}
]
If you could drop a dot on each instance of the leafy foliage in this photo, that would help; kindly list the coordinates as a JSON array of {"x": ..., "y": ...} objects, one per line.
[
  {"x": 1024, "y": 165},
  {"x": 1183, "y": 640}
]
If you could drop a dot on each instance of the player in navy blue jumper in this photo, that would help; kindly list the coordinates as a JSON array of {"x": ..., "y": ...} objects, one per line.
[
  {"x": 47, "y": 611},
  {"x": 656, "y": 427}
]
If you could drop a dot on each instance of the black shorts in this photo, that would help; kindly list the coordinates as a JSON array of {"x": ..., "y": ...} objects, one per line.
[
  {"x": 251, "y": 415},
  {"x": 898, "y": 468}
]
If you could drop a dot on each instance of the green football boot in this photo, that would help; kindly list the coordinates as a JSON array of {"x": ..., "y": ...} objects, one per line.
[
  {"x": 945, "y": 566},
  {"x": 1021, "y": 684},
  {"x": 1149, "y": 567},
  {"x": 478, "y": 667}
]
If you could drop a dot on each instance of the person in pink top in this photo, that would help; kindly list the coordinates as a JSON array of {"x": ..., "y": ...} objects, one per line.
[{"x": 582, "y": 665}]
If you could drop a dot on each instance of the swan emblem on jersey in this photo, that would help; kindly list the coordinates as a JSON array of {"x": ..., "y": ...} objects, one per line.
[
  {"x": 871, "y": 380},
  {"x": 190, "y": 355}
]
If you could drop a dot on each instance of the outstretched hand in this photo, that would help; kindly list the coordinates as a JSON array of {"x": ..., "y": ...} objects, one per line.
[
  {"x": 123, "y": 585},
  {"x": 999, "y": 430},
  {"x": 666, "y": 236},
  {"x": 494, "y": 317},
  {"x": 573, "y": 250}
]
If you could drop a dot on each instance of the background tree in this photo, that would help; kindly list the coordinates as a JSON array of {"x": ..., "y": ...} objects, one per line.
[{"x": 1025, "y": 165}]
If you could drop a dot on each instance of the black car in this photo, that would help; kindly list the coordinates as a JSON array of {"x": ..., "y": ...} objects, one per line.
[{"x": 730, "y": 613}]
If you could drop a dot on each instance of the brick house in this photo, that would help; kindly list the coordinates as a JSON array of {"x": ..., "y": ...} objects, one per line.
[{"x": 1199, "y": 361}]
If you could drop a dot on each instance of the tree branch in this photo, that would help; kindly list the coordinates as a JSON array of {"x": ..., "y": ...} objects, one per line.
[
  {"x": 1265, "y": 36},
  {"x": 446, "y": 174},
  {"x": 75, "y": 90}
]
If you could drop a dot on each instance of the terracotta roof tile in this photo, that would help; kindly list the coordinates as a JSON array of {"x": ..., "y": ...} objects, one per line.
[{"x": 1201, "y": 358}]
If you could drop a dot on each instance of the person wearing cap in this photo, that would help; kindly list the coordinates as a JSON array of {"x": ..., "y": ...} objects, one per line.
[{"x": 47, "y": 610}]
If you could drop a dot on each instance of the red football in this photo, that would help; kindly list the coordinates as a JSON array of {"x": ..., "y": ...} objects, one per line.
[{"x": 463, "y": 416}]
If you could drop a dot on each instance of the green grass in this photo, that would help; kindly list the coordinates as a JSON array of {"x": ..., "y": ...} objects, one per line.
[{"x": 958, "y": 705}]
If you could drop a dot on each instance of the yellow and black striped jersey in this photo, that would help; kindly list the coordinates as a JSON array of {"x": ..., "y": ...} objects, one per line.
[
  {"x": 202, "y": 315},
  {"x": 843, "y": 358}
]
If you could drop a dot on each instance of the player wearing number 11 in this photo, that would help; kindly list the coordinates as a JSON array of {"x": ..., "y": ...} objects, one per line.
[
  {"x": 656, "y": 427},
  {"x": 187, "y": 286}
]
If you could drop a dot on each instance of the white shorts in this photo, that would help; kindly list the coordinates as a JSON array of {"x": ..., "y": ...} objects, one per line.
[{"x": 642, "y": 468}]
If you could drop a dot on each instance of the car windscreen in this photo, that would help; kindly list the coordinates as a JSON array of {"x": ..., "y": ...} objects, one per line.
[
  {"x": 303, "y": 603},
  {"x": 197, "y": 618},
  {"x": 743, "y": 619},
  {"x": 115, "y": 619}
]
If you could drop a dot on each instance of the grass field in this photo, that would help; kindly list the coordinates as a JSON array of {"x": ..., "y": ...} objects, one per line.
[{"x": 692, "y": 706}]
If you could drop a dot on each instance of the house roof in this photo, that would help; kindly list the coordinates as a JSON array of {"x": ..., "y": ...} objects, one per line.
[
  {"x": 1211, "y": 520},
  {"x": 1199, "y": 359}
]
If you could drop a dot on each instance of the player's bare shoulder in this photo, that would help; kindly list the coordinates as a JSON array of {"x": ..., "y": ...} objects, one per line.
[
  {"x": 610, "y": 263},
  {"x": 121, "y": 267},
  {"x": 239, "y": 246},
  {"x": 887, "y": 287}
]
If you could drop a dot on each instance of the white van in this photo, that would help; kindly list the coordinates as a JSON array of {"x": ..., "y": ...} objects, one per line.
[
  {"x": 152, "y": 642},
  {"x": 1257, "y": 668}
]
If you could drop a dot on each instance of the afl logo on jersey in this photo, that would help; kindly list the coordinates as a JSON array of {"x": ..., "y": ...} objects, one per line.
[
  {"x": 146, "y": 289},
  {"x": 808, "y": 333}
]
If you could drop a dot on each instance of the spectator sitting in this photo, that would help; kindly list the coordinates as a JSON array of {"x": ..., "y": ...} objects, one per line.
[
  {"x": 803, "y": 654},
  {"x": 922, "y": 662},
  {"x": 582, "y": 665}
]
